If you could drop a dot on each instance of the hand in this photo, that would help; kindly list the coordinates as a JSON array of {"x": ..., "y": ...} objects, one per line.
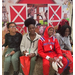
[
  {"x": 3, "y": 50},
  {"x": 72, "y": 52},
  {"x": 64, "y": 54},
  {"x": 52, "y": 59},
  {"x": 12, "y": 52},
  {"x": 24, "y": 52},
  {"x": 60, "y": 62},
  {"x": 31, "y": 55}
]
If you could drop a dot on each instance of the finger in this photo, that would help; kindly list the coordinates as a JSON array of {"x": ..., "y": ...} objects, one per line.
[{"x": 59, "y": 64}]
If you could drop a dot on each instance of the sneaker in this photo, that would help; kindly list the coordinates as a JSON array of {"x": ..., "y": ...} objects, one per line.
[
  {"x": 20, "y": 74},
  {"x": 57, "y": 73}
]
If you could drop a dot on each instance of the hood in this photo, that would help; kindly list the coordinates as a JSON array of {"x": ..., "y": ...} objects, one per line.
[{"x": 46, "y": 31}]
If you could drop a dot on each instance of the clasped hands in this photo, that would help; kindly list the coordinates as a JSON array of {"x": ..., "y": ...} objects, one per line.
[
  {"x": 27, "y": 54},
  {"x": 58, "y": 60}
]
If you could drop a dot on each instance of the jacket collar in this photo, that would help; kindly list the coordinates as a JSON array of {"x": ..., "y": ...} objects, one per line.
[{"x": 36, "y": 38}]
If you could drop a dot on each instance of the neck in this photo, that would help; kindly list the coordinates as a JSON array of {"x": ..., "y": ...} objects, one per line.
[
  {"x": 50, "y": 36},
  {"x": 12, "y": 33},
  {"x": 32, "y": 34}
]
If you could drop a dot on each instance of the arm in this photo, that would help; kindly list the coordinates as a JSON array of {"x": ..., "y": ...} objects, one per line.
[
  {"x": 40, "y": 49},
  {"x": 57, "y": 48},
  {"x": 68, "y": 44},
  {"x": 5, "y": 44},
  {"x": 22, "y": 45},
  {"x": 6, "y": 41}
]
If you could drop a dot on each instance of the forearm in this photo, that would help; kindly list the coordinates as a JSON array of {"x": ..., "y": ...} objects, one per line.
[{"x": 16, "y": 49}]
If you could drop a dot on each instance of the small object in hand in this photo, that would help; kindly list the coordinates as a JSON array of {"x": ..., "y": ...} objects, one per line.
[
  {"x": 26, "y": 54},
  {"x": 61, "y": 64},
  {"x": 7, "y": 55},
  {"x": 54, "y": 65}
]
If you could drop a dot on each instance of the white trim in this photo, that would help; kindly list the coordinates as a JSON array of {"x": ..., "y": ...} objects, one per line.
[
  {"x": 55, "y": 12},
  {"x": 50, "y": 7},
  {"x": 19, "y": 22},
  {"x": 47, "y": 57},
  {"x": 18, "y": 13}
]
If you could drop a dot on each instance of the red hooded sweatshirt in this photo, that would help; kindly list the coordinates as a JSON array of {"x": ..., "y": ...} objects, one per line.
[{"x": 48, "y": 46}]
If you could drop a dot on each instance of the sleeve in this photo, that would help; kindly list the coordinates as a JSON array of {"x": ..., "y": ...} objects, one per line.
[
  {"x": 57, "y": 48},
  {"x": 68, "y": 44},
  {"x": 57, "y": 36},
  {"x": 16, "y": 49},
  {"x": 22, "y": 45},
  {"x": 6, "y": 41},
  {"x": 36, "y": 51},
  {"x": 41, "y": 50}
]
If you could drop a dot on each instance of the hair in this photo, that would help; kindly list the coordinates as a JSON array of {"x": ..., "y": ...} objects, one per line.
[
  {"x": 8, "y": 24},
  {"x": 62, "y": 22},
  {"x": 63, "y": 29},
  {"x": 29, "y": 21}
]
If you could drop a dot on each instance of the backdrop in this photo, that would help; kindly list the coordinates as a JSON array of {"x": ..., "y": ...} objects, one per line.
[{"x": 46, "y": 12}]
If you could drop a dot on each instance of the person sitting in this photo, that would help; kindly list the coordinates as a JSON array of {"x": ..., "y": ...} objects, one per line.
[
  {"x": 49, "y": 50},
  {"x": 62, "y": 23},
  {"x": 63, "y": 37},
  {"x": 29, "y": 43},
  {"x": 12, "y": 40}
]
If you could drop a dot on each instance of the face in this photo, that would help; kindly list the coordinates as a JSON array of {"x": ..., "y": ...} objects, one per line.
[
  {"x": 50, "y": 31},
  {"x": 31, "y": 29},
  {"x": 67, "y": 32},
  {"x": 12, "y": 28}
]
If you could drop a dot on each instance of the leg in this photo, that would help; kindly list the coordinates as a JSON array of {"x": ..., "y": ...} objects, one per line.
[
  {"x": 7, "y": 62},
  {"x": 65, "y": 63},
  {"x": 46, "y": 67},
  {"x": 32, "y": 65},
  {"x": 71, "y": 66},
  {"x": 15, "y": 60}
]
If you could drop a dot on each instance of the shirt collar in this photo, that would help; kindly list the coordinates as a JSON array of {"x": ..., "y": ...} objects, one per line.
[{"x": 35, "y": 37}]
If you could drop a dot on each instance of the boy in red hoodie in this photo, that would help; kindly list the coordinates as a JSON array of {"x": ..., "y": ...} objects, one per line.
[{"x": 48, "y": 49}]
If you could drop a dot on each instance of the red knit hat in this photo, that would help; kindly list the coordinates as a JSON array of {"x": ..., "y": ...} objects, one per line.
[{"x": 62, "y": 22}]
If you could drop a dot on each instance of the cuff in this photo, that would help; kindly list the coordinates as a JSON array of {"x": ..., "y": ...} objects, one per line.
[
  {"x": 60, "y": 57},
  {"x": 3, "y": 48},
  {"x": 47, "y": 57}
]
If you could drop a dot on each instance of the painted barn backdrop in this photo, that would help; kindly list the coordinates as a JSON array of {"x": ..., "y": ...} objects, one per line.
[{"x": 46, "y": 12}]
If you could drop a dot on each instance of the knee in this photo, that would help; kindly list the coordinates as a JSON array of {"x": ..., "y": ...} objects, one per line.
[
  {"x": 46, "y": 63},
  {"x": 32, "y": 60},
  {"x": 7, "y": 60},
  {"x": 14, "y": 59},
  {"x": 66, "y": 61}
]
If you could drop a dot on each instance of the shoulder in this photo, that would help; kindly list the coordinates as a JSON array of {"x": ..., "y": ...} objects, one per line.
[
  {"x": 42, "y": 39},
  {"x": 25, "y": 35},
  {"x": 18, "y": 34},
  {"x": 7, "y": 34},
  {"x": 38, "y": 36},
  {"x": 57, "y": 35}
]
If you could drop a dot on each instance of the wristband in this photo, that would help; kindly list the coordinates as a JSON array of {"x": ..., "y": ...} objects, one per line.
[
  {"x": 60, "y": 57},
  {"x": 47, "y": 57}
]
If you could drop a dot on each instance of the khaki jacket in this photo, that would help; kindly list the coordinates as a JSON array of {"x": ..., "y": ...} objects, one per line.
[{"x": 27, "y": 44}]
